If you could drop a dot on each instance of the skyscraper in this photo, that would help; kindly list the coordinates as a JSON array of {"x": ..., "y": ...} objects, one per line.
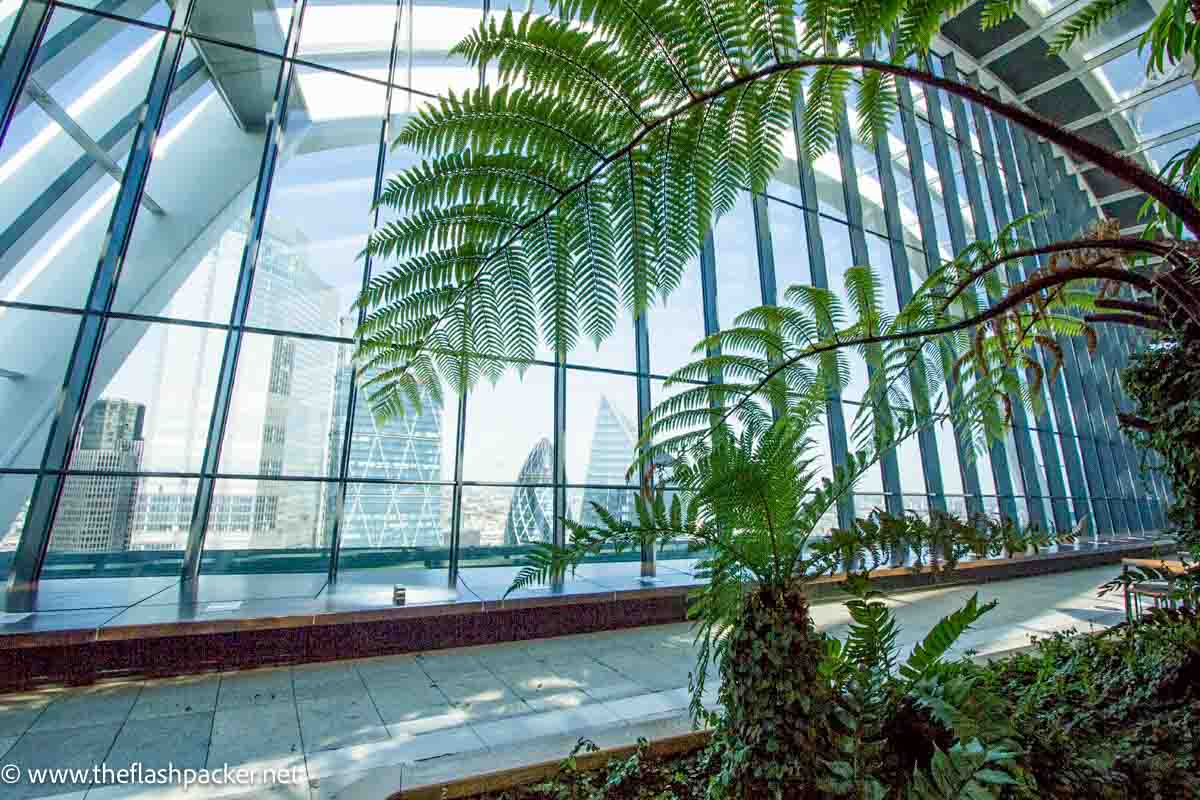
[
  {"x": 406, "y": 448},
  {"x": 95, "y": 513},
  {"x": 613, "y": 440},
  {"x": 531, "y": 513}
]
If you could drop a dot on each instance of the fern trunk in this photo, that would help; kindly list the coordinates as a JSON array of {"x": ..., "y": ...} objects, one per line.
[{"x": 777, "y": 722}]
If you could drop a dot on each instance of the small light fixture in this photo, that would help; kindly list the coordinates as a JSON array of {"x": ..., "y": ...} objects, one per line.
[{"x": 399, "y": 594}]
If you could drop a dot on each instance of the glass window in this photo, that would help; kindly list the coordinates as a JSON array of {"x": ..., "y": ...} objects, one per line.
[
  {"x": 1164, "y": 113},
  {"x": 835, "y": 238},
  {"x": 601, "y": 428},
  {"x": 272, "y": 515},
  {"x": 165, "y": 376},
  {"x": 396, "y": 524},
  {"x": 499, "y": 522},
  {"x": 308, "y": 272},
  {"x": 676, "y": 324},
  {"x": 184, "y": 263},
  {"x": 738, "y": 285},
  {"x": 509, "y": 431},
  {"x": 285, "y": 401},
  {"x": 790, "y": 246},
  {"x": 15, "y": 492},
  {"x": 85, "y": 92},
  {"x": 352, "y": 35},
  {"x": 417, "y": 446}
]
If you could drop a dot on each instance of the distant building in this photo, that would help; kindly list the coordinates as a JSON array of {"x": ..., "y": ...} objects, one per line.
[
  {"x": 613, "y": 439},
  {"x": 531, "y": 512},
  {"x": 406, "y": 448},
  {"x": 95, "y": 513}
]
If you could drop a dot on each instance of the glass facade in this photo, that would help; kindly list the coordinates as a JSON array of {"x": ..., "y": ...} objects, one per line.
[{"x": 187, "y": 189}]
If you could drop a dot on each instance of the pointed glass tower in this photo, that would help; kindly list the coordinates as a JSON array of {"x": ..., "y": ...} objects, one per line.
[{"x": 613, "y": 439}]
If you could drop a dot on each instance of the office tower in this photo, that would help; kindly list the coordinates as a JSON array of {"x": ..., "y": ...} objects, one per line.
[
  {"x": 531, "y": 512},
  {"x": 95, "y": 513},
  {"x": 613, "y": 439}
]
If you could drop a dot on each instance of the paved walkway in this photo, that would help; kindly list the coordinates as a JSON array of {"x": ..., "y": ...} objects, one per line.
[{"x": 356, "y": 729}]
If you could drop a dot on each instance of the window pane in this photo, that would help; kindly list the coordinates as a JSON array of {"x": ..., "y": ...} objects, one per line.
[
  {"x": 510, "y": 427},
  {"x": 676, "y": 324},
  {"x": 790, "y": 246},
  {"x": 417, "y": 446},
  {"x": 317, "y": 218},
  {"x": 396, "y": 525},
  {"x": 280, "y": 416},
  {"x": 602, "y": 429},
  {"x": 273, "y": 515},
  {"x": 352, "y": 35},
  {"x": 87, "y": 91},
  {"x": 499, "y": 522},
  {"x": 737, "y": 262},
  {"x": 168, "y": 371}
]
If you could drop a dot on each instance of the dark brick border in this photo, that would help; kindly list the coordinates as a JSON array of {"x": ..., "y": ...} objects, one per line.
[{"x": 178, "y": 650}]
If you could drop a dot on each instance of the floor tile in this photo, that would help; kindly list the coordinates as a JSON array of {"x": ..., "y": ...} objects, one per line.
[
  {"x": 426, "y": 721},
  {"x": 176, "y": 741},
  {"x": 95, "y": 706},
  {"x": 255, "y": 688},
  {"x": 7, "y": 742},
  {"x": 339, "y": 721},
  {"x": 644, "y": 705},
  {"x": 189, "y": 695},
  {"x": 615, "y": 691},
  {"x": 498, "y": 733},
  {"x": 391, "y": 669},
  {"x": 76, "y": 748},
  {"x": 479, "y": 712},
  {"x": 399, "y": 706},
  {"x": 19, "y": 711},
  {"x": 308, "y": 678},
  {"x": 255, "y": 733},
  {"x": 485, "y": 689},
  {"x": 393, "y": 751},
  {"x": 551, "y": 701}
]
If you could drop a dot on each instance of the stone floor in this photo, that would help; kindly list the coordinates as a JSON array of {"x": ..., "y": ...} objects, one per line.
[{"x": 357, "y": 729}]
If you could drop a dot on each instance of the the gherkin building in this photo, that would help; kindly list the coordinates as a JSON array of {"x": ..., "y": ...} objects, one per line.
[{"x": 531, "y": 513}]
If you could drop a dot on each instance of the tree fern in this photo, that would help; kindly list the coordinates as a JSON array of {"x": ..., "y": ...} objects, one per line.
[{"x": 1084, "y": 23}]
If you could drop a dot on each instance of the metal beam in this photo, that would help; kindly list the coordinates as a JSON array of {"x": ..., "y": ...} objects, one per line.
[
  {"x": 89, "y": 145},
  {"x": 241, "y": 304},
  {"x": 17, "y": 57}
]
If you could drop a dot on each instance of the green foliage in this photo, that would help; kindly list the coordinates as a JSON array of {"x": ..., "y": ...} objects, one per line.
[
  {"x": 1164, "y": 382},
  {"x": 965, "y": 772},
  {"x": 1084, "y": 23}
]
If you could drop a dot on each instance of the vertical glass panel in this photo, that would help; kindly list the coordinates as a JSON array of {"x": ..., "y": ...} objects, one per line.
[
  {"x": 785, "y": 183},
  {"x": 163, "y": 375},
  {"x": 499, "y": 522},
  {"x": 261, "y": 25},
  {"x": 154, "y": 12},
  {"x": 790, "y": 246},
  {"x": 15, "y": 491},
  {"x": 912, "y": 471},
  {"x": 256, "y": 515},
  {"x": 952, "y": 482},
  {"x": 402, "y": 525},
  {"x": 95, "y": 512},
  {"x": 831, "y": 196},
  {"x": 417, "y": 446},
  {"x": 33, "y": 376},
  {"x": 601, "y": 428},
  {"x": 351, "y": 35},
  {"x": 65, "y": 153},
  {"x": 835, "y": 237},
  {"x": 184, "y": 263},
  {"x": 738, "y": 285},
  {"x": 281, "y": 417},
  {"x": 509, "y": 431},
  {"x": 676, "y": 324},
  {"x": 308, "y": 271},
  {"x": 660, "y": 392}
]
